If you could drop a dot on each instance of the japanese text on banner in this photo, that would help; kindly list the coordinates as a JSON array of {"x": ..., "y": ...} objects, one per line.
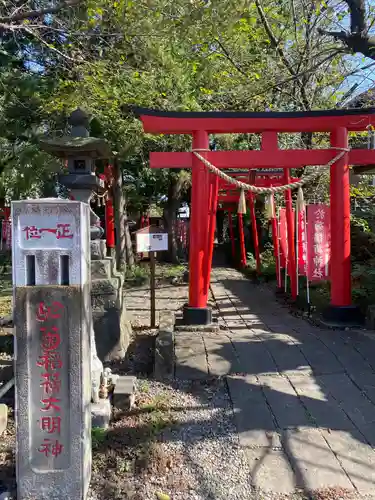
[
  {"x": 318, "y": 242},
  {"x": 302, "y": 244}
]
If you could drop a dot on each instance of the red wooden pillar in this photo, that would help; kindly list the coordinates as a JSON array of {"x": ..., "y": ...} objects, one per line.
[
  {"x": 197, "y": 311},
  {"x": 292, "y": 268},
  {"x": 276, "y": 250},
  {"x": 255, "y": 231},
  {"x": 340, "y": 224},
  {"x": 231, "y": 235},
  {"x": 242, "y": 240},
  {"x": 213, "y": 195},
  {"x": 110, "y": 223}
]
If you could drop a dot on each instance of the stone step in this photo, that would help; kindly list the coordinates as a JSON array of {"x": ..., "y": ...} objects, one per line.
[
  {"x": 101, "y": 269},
  {"x": 105, "y": 286},
  {"x": 98, "y": 249}
]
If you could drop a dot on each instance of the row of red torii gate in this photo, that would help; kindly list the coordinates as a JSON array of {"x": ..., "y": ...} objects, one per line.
[
  {"x": 311, "y": 242},
  {"x": 205, "y": 184}
]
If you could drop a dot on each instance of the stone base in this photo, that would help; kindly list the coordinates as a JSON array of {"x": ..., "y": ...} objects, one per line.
[
  {"x": 112, "y": 333},
  {"x": 213, "y": 327},
  {"x": 101, "y": 414},
  {"x": 343, "y": 317},
  {"x": 124, "y": 392},
  {"x": 111, "y": 324},
  {"x": 197, "y": 315}
]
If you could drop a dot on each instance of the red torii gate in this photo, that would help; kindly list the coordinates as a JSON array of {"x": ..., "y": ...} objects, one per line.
[
  {"x": 231, "y": 196},
  {"x": 205, "y": 186}
]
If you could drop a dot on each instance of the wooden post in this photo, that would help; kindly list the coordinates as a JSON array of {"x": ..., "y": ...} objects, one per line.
[
  {"x": 255, "y": 232},
  {"x": 242, "y": 240},
  {"x": 276, "y": 250},
  {"x": 152, "y": 289},
  {"x": 231, "y": 235},
  {"x": 292, "y": 267}
]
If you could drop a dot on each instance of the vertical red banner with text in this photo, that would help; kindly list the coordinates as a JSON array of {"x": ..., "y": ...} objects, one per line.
[
  {"x": 302, "y": 244},
  {"x": 318, "y": 242},
  {"x": 283, "y": 236}
]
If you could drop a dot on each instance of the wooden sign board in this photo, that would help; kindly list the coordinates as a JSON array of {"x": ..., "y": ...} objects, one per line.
[{"x": 151, "y": 239}]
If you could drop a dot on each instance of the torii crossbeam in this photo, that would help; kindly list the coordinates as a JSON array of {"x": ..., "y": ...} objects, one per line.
[{"x": 204, "y": 184}]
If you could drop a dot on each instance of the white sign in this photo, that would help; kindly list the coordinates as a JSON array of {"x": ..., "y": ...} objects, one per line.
[
  {"x": 152, "y": 242},
  {"x": 46, "y": 232}
]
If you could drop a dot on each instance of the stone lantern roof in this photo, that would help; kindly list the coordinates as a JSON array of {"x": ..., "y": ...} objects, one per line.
[
  {"x": 79, "y": 143},
  {"x": 80, "y": 152}
]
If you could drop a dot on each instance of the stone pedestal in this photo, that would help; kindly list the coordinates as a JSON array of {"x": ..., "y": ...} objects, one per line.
[
  {"x": 111, "y": 325},
  {"x": 52, "y": 319}
]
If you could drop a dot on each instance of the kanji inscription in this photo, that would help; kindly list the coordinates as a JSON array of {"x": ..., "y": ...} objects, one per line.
[
  {"x": 47, "y": 232},
  {"x": 50, "y": 389}
]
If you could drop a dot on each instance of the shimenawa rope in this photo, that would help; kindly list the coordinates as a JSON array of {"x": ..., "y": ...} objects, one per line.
[{"x": 266, "y": 190}]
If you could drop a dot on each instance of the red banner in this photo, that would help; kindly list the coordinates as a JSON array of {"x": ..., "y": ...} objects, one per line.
[
  {"x": 318, "y": 242},
  {"x": 283, "y": 236},
  {"x": 302, "y": 244}
]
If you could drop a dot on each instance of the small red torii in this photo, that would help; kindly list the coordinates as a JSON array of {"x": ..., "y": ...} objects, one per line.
[
  {"x": 205, "y": 184},
  {"x": 227, "y": 196}
]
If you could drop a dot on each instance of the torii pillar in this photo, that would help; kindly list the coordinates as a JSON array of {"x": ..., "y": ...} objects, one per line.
[{"x": 197, "y": 312}]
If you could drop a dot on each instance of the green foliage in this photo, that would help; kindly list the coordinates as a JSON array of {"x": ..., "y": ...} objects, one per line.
[
  {"x": 138, "y": 274},
  {"x": 104, "y": 55},
  {"x": 267, "y": 268},
  {"x": 98, "y": 437},
  {"x": 363, "y": 284},
  {"x": 360, "y": 222}
]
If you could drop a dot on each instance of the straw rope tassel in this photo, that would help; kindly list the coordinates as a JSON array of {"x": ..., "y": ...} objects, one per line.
[
  {"x": 300, "y": 205},
  {"x": 270, "y": 209},
  {"x": 242, "y": 203}
]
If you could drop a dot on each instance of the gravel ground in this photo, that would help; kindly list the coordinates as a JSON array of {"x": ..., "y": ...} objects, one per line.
[
  {"x": 193, "y": 454},
  {"x": 179, "y": 443}
]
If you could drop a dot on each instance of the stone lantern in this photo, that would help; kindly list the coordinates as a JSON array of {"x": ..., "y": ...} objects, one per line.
[{"x": 80, "y": 151}]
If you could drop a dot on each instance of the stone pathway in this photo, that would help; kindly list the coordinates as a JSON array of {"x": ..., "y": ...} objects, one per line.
[
  {"x": 303, "y": 397},
  {"x": 168, "y": 297}
]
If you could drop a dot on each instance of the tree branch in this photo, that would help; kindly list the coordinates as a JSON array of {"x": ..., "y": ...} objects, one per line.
[
  {"x": 275, "y": 43},
  {"x": 230, "y": 59},
  {"x": 358, "y": 39},
  {"x": 293, "y": 78},
  {"x": 32, "y": 14},
  {"x": 356, "y": 42}
]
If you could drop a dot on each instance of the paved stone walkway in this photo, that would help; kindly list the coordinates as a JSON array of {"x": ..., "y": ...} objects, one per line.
[
  {"x": 168, "y": 297},
  {"x": 303, "y": 397}
]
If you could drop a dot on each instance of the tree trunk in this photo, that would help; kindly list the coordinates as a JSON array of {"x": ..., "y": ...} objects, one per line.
[{"x": 119, "y": 202}]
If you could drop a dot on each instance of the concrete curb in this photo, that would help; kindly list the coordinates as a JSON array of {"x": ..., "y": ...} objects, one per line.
[{"x": 164, "y": 347}]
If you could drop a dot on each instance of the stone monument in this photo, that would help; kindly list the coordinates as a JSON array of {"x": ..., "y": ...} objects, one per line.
[{"x": 52, "y": 319}]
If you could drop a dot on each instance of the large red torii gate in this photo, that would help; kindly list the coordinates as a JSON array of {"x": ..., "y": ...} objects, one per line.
[{"x": 205, "y": 186}]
